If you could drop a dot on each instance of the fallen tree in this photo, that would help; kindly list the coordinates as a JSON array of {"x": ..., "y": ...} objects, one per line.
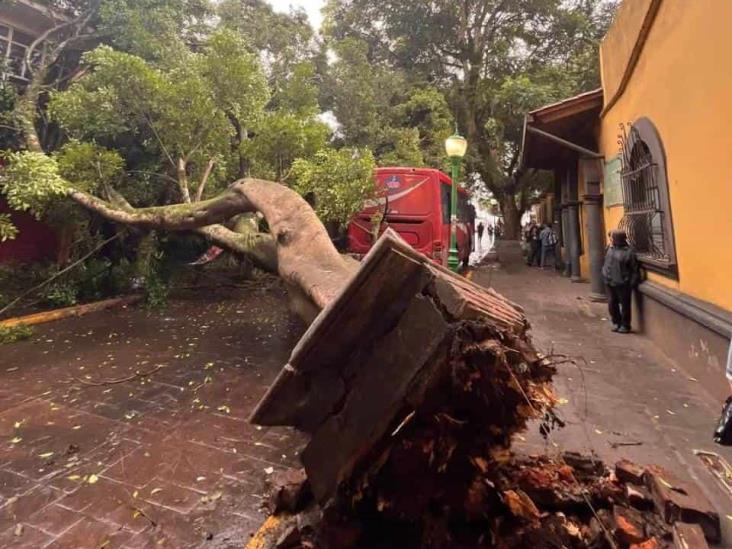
[
  {"x": 297, "y": 246},
  {"x": 411, "y": 384}
]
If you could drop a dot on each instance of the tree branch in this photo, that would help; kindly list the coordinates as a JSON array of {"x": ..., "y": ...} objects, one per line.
[
  {"x": 183, "y": 180},
  {"x": 296, "y": 231},
  {"x": 204, "y": 179},
  {"x": 173, "y": 217}
]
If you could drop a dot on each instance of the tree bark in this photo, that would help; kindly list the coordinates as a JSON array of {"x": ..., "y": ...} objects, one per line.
[
  {"x": 298, "y": 247},
  {"x": 511, "y": 216}
]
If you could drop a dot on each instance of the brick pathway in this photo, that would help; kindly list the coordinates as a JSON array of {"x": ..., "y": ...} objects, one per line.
[
  {"x": 164, "y": 461},
  {"x": 626, "y": 398}
]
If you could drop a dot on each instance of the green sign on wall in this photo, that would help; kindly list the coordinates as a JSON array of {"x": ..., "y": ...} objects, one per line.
[{"x": 613, "y": 191}]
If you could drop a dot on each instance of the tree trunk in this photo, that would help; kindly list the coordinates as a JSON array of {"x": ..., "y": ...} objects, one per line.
[
  {"x": 298, "y": 247},
  {"x": 511, "y": 217}
]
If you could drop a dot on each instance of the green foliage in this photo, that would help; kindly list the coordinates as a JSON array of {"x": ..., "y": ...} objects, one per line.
[
  {"x": 426, "y": 109},
  {"x": 493, "y": 61},
  {"x": 282, "y": 137},
  {"x": 400, "y": 147},
  {"x": 8, "y": 231},
  {"x": 378, "y": 107},
  {"x": 283, "y": 39},
  {"x": 31, "y": 181},
  {"x": 340, "y": 180},
  {"x": 9, "y": 136},
  {"x": 236, "y": 79},
  {"x": 157, "y": 292},
  {"x": 61, "y": 294},
  {"x": 88, "y": 165},
  {"x": 12, "y": 334},
  {"x": 152, "y": 29}
]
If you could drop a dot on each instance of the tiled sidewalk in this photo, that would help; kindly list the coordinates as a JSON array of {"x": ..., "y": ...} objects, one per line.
[
  {"x": 625, "y": 397},
  {"x": 161, "y": 461}
]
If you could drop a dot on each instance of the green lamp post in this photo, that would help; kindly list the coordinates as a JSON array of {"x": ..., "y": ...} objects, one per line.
[{"x": 455, "y": 147}]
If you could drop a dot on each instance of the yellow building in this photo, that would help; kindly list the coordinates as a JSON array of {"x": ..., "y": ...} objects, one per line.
[{"x": 649, "y": 153}]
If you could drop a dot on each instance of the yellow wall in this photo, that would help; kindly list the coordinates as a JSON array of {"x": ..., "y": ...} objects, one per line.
[
  {"x": 617, "y": 46},
  {"x": 683, "y": 84}
]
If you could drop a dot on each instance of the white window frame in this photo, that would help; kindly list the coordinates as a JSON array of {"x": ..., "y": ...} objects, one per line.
[{"x": 7, "y": 72}]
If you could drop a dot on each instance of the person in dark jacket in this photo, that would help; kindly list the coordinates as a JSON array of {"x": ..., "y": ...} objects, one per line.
[
  {"x": 621, "y": 275},
  {"x": 534, "y": 242}
]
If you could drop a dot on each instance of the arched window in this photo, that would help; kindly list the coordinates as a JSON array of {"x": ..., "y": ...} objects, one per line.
[{"x": 647, "y": 218}]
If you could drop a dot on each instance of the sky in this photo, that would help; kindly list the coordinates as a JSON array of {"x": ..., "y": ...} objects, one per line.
[{"x": 311, "y": 7}]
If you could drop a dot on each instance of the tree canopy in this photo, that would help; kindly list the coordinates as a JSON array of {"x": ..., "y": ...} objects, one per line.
[
  {"x": 492, "y": 60},
  {"x": 159, "y": 103}
]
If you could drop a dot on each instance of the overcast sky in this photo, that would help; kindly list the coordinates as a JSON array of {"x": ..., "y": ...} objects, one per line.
[{"x": 311, "y": 7}]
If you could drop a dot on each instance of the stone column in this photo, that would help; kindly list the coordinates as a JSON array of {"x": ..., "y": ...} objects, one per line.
[
  {"x": 595, "y": 245},
  {"x": 566, "y": 271},
  {"x": 573, "y": 240},
  {"x": 557, "y": 222}
]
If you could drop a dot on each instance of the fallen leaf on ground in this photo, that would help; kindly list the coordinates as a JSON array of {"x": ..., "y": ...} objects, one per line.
[
  {"x": 46, "y": 455},
  {"x": 92, "y": 479},
  {"x": 211, "y": 497},
  {"x": 155, "y": 491}
]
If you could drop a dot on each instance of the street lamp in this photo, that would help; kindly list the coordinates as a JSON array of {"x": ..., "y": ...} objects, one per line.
[{"x": 455, "y": 147}]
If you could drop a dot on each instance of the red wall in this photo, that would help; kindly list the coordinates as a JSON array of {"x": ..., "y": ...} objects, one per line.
[{"x": 35, "y": 241}]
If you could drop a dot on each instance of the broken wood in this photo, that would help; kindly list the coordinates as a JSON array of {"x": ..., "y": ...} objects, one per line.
[
  {"x": 627, "y": 471},
  {"x": 628, "y": 525},
  {"x": 289, "y": 491},
  {"x": 374, "y": 353},
  {"x": 67, "y": 312}
]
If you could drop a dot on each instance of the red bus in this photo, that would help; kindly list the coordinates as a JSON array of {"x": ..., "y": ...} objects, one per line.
[{"x": 415, "y": 202}]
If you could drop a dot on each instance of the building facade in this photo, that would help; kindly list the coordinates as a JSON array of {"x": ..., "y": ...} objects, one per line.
[
  {"x": 651, "y": 159},
  {"x": 21, "y": 22}
]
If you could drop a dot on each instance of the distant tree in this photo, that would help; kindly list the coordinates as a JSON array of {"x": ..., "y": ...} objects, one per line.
[
  {"x": 403, "y": 122},
  {"x": 494, "y": 60}
]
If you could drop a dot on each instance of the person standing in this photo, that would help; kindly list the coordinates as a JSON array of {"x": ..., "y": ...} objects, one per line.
[
  {"x": 532, "y": 238},
  {"x": 481, "y": 228},
  {"x": 548, "y": 239},
  {"x": 621, "y": 275}
]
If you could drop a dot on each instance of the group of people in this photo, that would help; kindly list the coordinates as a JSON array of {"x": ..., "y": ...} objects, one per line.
[
  {"x": 541, "y": 244},
  {"x": 492, "y": 230},
  {"x": 620, "y": 269}
]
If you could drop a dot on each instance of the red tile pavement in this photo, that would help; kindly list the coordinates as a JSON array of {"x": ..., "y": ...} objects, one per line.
[{"x": 161, "y": 461}]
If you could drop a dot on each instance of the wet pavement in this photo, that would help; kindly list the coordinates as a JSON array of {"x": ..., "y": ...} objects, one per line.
[
  {"x": 624, "y": 397},
  {"x": 93, "y": 454}
]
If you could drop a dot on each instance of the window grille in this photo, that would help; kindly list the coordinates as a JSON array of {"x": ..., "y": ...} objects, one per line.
[{"x": 647, "y": 216}]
